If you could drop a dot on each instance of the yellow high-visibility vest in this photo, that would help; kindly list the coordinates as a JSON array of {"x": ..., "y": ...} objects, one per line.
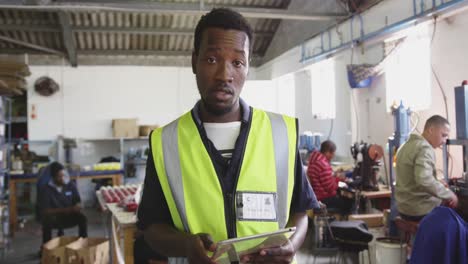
[{"x": 191, "y": 187}]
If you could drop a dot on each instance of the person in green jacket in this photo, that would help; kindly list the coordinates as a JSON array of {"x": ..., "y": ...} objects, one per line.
[{"x": 418, "y": 190}]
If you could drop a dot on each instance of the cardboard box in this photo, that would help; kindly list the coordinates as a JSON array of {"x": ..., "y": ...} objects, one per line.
[
  {"x": 145, "y": 130},
  {"x": 372, "y": 220},
  {"x": 88, "y": 251},
  {"x": 125, "y": 127},
  {"x": 54, "y": 250}
]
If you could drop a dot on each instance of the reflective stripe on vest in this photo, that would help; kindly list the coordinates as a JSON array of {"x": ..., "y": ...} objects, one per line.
[{"x": 191, "y": 186}]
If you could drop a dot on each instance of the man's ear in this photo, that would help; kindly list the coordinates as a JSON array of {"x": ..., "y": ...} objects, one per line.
[
  {"x": 431, "y": 130},
  {"x": 194, "y": 62}
]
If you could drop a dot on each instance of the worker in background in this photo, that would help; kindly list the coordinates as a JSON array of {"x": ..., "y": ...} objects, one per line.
[
  {"x": 206, "y": 167},
  {"x": 324, "y": 181},
  {"x": 417, "y": 189},
  {"x": 59, "y": 205}
]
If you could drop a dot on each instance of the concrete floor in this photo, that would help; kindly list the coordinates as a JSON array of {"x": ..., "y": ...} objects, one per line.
[{"x": 25, "y": 245}]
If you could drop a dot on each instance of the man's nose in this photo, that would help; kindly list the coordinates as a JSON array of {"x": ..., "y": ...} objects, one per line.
[{"x": 224, "y": 73}]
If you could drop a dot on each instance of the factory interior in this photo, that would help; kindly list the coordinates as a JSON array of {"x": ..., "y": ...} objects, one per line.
[{"x": 233, "y": 131}]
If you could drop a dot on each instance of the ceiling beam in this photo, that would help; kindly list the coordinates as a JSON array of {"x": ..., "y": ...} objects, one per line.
[
  {"x": 171, "y": 8},
  {"x": 29, "y": 45},
  {"x": 123, "y": 30},
  {"x": 135, "y": 53},
  {"x": 114, "y": 52},
  {"x": 149, "y": 31},
  {"x": 67, "y": 35},
  {"x": 30, "y": 28}
]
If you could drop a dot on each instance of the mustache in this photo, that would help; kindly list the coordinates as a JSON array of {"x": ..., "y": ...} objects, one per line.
[{"x": 224, "y": 88}]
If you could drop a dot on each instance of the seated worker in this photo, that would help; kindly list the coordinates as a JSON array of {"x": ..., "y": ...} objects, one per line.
[
  {"x": 324, "y": 181},
  {"x": 417, "y": 189},
  {"x": 59, "y": 205}
]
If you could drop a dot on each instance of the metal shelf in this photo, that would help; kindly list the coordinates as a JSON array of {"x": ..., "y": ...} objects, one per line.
[{"x": 19, "y": 119}]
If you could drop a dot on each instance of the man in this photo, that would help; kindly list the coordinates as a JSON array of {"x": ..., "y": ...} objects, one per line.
[
  {"x": 206, "y": 168},
  {"x": 59, "y": 204},
  {"x": 323, "y": 179},
  {"x": 417, "y": 189}
]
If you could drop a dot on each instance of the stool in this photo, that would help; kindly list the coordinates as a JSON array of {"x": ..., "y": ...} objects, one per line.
[
  {"x": 407, "y": 230},
  {"x": 322, "y": 239},
  {"x": 351, "y": 236}
]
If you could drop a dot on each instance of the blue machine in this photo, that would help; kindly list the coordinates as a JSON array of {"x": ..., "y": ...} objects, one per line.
[{"x": 401, "y": 117}]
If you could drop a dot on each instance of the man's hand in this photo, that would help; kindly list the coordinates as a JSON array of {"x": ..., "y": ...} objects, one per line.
[
  {"x": 196, "y": 247},
  {"x": 452, "y": 202},
  {"x": 283, "y": 254}
]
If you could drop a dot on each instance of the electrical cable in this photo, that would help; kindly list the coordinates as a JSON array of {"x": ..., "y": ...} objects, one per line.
[
  {"x": 331, "y": 128},
  {"x": 356, "y": 116},
  {"x": 354, "y": 102},
  {"x": 386, "y": 172},
  {"x": 415, "y": 127},
  {"x": 343, "y": 5},
  {"x": 444, "y": 96},
  {"x": 451, "y": 161}
]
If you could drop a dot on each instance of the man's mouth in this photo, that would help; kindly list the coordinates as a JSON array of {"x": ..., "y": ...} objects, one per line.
[{"x": 222, "y": 93}]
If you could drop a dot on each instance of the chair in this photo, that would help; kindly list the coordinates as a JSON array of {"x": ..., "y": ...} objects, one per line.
[
  {"x": 351, "y": 236},
  {"x": 323, "y": 238},
  {"x": 407, "y": 230}
]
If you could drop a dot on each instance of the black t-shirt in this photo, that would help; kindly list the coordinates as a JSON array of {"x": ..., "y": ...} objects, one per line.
[
  {"x": 153, "y": 207},
  {"x": 50, "y": 197}
]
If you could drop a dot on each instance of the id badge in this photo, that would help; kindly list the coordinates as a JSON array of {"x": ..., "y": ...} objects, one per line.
[{"x": 256, "y": 206}]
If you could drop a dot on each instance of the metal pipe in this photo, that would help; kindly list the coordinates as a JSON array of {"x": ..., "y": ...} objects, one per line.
[
  {"x": 384, "y": 32},
  {"x": 171, "y": 8},
  {"x": 321, "y": 42},
  {"x": 29, "y": 45}
]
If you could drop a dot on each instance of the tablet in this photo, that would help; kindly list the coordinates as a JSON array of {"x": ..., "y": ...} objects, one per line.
[{"x": 232, "y": 249}]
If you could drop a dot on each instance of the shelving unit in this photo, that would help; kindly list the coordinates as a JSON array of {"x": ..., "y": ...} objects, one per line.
[
  {"x": 117, "y": 147},
  {"x": 5, "y": 139}
]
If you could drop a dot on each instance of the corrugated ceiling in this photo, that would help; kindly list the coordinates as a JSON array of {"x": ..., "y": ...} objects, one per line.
[{"x": 75, "y": 29}]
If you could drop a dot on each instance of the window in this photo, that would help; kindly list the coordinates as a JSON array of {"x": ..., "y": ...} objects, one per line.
[
  {"x": 322, "y": 78},
  {"x": 408, "y": 71}
]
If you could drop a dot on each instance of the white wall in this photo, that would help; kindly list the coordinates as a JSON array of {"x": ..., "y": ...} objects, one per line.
[
  {"x": 448, "y": 53},
  {"x": 91, "y": 96},
  {"x": 65, "y": 112},
  {"x": 374, "y": 124}
]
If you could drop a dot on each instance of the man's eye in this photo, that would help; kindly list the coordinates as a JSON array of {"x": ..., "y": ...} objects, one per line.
[
  {"x": 211, "y": 60},
  {"x": 238, "y": 63}
]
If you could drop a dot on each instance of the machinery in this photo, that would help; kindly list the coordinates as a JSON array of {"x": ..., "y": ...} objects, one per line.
[
  {"x": 401, "y": 124},
  {"x": 459, "y": 186},
  {"x": 367, "y": 159}
]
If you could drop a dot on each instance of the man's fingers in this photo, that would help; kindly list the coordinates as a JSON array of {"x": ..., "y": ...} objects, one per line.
[
  {"x": 207, "y": 242},
  {"x": 267, "y": 259}
]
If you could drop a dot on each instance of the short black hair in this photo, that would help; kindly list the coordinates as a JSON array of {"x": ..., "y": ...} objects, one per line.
[
  {"x": 436, "y": 120},
  {"x": 328, "y": 146},
  {"x": 55, "y": 167},
  {"x": 224, "y": 18}
]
